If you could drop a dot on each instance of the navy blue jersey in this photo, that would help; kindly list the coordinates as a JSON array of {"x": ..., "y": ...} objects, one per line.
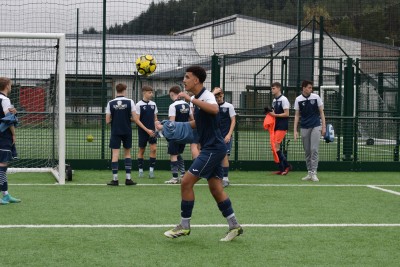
[
  {"x": 279, "y": 104},
  {"x": 147, "y": 111},
  {"x": 180, "y": 110},
  {"x": 121, "y": 109},
  {"x": 226, "y": 112},
  {"x": 210, "y": 137},
  {"x": 6, "y": 136},
  {"x": 309, "y": 110}
]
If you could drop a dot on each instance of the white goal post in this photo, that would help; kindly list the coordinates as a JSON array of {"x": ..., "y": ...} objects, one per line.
[{"x": 44, "y": 122}]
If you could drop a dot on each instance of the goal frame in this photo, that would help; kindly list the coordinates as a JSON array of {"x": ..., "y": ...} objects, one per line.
[{"x": 60, "y": 173}]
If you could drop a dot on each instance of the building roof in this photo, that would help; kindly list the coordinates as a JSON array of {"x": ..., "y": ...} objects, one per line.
[{"x": 121, "y": 54}]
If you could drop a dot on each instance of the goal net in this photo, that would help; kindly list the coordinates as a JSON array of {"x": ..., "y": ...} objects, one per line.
[{"x": 36, "y": 65}]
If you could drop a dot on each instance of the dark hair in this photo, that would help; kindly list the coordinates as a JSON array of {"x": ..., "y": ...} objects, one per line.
[
  {"x": 175, "y": 89},
  {"x": 276, "y": 84},
  {"x": 305, "y": 83},
  {"x": 199, "y": 72},
  {"x": 146, "y": 88},
  {"x": 4, "y": 81},
  {"x": 120, "y": 87}
]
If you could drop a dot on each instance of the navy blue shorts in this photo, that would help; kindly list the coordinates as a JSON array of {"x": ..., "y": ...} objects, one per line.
[
  {"x": 5, "y": 156},
  {"x": 144, "y": 138},
  {"x": 208, "y": 164},
  {"x": 115, "y": 141},
  {"x": 175, "y": 149}
]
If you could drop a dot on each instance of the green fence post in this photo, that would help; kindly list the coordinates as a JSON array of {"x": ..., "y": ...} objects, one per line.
[
  {"x": 396, "y": 149},
  {"x": 236, "y": 143},
  {"x": 348, "y": 109},
  {"x": 103, "y": 82},
  {"x": 215, "y": 72}
]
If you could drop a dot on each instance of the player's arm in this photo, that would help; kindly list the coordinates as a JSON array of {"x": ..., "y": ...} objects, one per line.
[
  {"x": 108, "y": 118},
  {"x": 228, "y": 137},
  {"x": 140, "y": 124},
  {"x": 133, "y": 116},
  {"x": 10, "y": 108},
  {"x": 296, "y": 122},
  {"x": 211, "y": 108},
  {"x": 171, "y": 113},
  {"x": 192, "y": 122},
  {"x": 108, "y": 113},
  {"x": 285, "y": 114},
  {"x": 322, "y": 115}
]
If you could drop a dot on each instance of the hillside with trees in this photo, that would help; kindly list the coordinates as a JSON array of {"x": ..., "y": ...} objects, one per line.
[{"x": 368, "y": 19}]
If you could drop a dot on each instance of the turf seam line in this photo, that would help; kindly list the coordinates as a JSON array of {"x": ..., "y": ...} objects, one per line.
[
  {"x": 383, "y": 189},
  {"x": 197, "y": 225},
  {"x": 233, "y": 185}
]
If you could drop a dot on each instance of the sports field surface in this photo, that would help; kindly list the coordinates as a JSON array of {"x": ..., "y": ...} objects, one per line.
[{"x": 347, "y": 219}]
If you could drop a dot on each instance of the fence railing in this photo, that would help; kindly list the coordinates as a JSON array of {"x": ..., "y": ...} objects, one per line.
[{"x": 351, "y": 150}]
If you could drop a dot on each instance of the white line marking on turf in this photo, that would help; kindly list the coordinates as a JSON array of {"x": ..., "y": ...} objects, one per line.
[
  {"x": 233, "y": 185},
  {"x": 314, "y": 225},
  {"x": 384, "y": 190}
]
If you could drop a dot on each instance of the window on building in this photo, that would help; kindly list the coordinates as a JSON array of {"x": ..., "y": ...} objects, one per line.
[{"x": 223, "y": 29}]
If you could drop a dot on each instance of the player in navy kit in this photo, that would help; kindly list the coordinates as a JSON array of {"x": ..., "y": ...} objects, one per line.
[
  {"x": 7, "y": 141},
  {"x": 146, "y": 115},
  {"x": 178, "y": 111},
  {"x": 120, "y": 112},
  {"x": 310, "y": 111},
  {"x": 280, "y": 106},
  {"x": 227, "y": 116},
  {"x": 208, "y": 164}
]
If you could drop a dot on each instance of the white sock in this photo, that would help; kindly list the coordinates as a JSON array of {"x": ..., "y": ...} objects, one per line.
[
  {"x": 140, "y": 170},
  {"x": 151, "y": 169}
]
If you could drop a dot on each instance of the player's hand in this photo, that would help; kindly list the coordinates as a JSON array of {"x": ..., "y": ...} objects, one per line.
[
  {"x": 151, "y": 133},
  {"x": 158, "y": 125},
  {"x": 185, "y": 96},
  {"x": 272, "y": 113},
  {"x": 323, "y": 131},
  {"x": 227, "y": 139},
  {"x": 295, "y": 135},
  {"x": 14, "y": 138},
  {"x": 217, "y": 90},
  {"x": 12, "y": 110}
]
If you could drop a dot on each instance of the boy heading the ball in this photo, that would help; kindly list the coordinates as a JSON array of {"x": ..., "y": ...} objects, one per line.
[
  {"x": 120, "y": 112},
  {"x": 208, "y": 163}
]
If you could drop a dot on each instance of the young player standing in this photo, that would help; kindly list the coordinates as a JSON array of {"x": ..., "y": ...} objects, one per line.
[
  {"x": 280, "y": 106},
  {"x": 310, "y": 111},
  {"x": 178, "y": 111},
  {"x": 120, "y": 112},
  {"x": 227, "y": 116},
  {"x": 208, "y": 163},
  {"x": 7, "y": 139},
  {"x": 146, "y": 115}
]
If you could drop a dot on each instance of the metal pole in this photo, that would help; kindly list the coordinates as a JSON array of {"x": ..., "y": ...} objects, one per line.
[
  {"x": 76, "y": 56},
  {"x": 299, "y": 8},
  {"x": 103, "y": 82},
  {"x": 321, "y": 52}
]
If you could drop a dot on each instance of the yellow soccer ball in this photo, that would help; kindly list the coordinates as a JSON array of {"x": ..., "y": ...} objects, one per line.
[
  {"x": 146, "y": 64},
  {"x": 89, "y": 138}
]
